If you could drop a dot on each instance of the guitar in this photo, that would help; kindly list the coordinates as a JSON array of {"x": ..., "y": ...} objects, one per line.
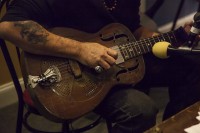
[{"x": 63, "y": 89}]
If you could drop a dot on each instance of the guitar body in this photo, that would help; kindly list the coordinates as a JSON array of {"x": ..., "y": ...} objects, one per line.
[{"x": 80, "y": 89}]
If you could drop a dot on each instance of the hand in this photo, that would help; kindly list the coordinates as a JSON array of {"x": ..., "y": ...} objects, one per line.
[
  {"x": 187, "y": 27},
  {"x": 95, "y": 54}
]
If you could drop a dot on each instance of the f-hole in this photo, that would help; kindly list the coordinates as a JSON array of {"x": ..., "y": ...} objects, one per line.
[{"x": 113, "y": 37}]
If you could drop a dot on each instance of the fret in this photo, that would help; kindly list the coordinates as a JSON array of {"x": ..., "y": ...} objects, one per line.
[
  {"x": 174, "y": 37},
  {"x": 122, "y": 51},
  {"x": 149, "y": 46},
  {"x": 162, "y": 35},
  {"x": 142, "y": 46},
  {"x": 171, "y": 37},
  {"x": 145, "y": 46},
  {"x": 158, "y": 38},
  {"x": 128, "y": 55},
  {"x": 136, "y": 48},
  {"x": 130, "y": 49},
  {"x": 153, "y": 38},
  {"x": 125, "y": 52},
  {"x": 150, "y": 41},
  {"x": 166, "y": 37},
  {"x": 136, "y": 51}
]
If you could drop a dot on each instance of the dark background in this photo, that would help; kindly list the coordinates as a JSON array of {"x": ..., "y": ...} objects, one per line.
[{"x": 166, "y": 13}]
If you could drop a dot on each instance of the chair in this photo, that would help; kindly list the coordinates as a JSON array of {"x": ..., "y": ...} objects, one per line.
[{"x": 25, "y": 101}]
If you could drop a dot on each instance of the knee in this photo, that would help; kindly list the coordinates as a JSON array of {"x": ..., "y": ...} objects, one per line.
[
  {"x": 138, "y": 119},
  {"x": 134, "y": 111},
  {"x": 148, "y": 113},
  {"x": 146, "y": 107},
  {"x": 141, "y": 106},
  {"x": 141, "y": 109},
  {"x": 147, "y": 117}
]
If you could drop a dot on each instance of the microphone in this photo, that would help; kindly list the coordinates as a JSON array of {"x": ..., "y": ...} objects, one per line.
[
  {"x": 195, "y": 30},
  {"x": 164, "y": 49},
  {"x": 159, "y": 49}
]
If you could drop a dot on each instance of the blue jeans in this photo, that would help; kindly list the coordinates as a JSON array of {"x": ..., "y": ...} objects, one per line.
[
  {"x": 130, "y": 110},
  {"x": 133, "y": 111}
]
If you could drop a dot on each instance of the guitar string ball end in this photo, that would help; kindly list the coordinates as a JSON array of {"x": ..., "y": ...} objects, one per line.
[{"x": 98, "y": 69}]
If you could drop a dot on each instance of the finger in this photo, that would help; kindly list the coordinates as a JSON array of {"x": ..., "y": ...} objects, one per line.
[
  {"x": 109, "y": 59},
  {"x": 112, "y": 53},
  {"x": 104, "y": 64}
]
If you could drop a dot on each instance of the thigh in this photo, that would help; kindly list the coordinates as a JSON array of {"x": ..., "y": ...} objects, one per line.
[{"x": 124, "y": 103}]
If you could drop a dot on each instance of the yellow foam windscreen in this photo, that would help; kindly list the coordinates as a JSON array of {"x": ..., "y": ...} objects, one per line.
[{"x": 160, "y": 49}]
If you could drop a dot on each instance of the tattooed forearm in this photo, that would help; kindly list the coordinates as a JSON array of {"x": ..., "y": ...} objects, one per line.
[{"x": 33, "y": 32}]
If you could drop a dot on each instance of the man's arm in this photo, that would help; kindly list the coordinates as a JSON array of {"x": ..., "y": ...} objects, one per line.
[{"x": 32, "y": 37}]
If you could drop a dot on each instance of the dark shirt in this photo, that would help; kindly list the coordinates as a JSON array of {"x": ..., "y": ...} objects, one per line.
[{"x": 85, "y": 15}]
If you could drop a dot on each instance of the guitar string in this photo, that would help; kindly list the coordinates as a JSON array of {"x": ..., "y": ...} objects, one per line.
[
  {"x": 155, "y": 39},
  {"x": 138, "y": 43},
  {"x": 151, "y": 39},
  {"x": 143, "y": 41},
  {"x": 132, "y": 50},
  {"x": 64, "y": 70}
]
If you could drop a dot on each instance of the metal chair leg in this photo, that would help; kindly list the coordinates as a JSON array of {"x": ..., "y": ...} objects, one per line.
[
  {"x": 20, "y": 117},
  {"x": 65, "y": 127},
  {"x": 177, "y": 14},
  {"x": 16, "y": 84}
]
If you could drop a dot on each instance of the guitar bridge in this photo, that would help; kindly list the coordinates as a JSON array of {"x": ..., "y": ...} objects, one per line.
[{"x": 50, "y": 76}]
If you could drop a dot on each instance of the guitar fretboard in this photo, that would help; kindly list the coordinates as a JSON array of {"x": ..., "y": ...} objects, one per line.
[{"x": 134, "y": 49}]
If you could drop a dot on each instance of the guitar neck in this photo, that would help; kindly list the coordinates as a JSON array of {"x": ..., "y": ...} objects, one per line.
[{"x": 137, "y": 48}]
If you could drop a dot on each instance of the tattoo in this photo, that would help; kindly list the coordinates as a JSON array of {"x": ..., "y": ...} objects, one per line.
[{"x": 33, "y": 32}]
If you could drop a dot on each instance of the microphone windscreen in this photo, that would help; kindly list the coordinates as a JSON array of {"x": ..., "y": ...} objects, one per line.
[{"x": 160, "y": 49}]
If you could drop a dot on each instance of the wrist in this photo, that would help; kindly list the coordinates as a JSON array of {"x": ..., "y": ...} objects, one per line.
[{"x": 77, "y": 48}]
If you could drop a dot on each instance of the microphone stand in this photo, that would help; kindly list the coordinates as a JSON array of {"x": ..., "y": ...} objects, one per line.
[{"x": 194, "y": 31}]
